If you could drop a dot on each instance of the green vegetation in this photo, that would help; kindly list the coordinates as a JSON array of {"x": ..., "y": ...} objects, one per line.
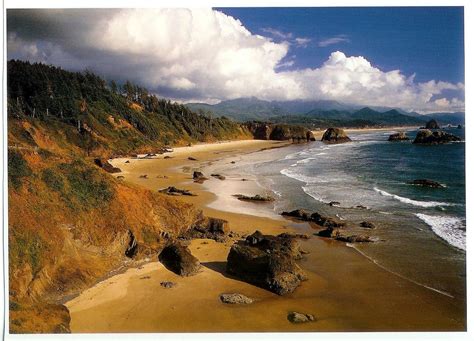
[
  {"x": 93, "y": 115},
  {"x": 53, "y": 180},
  {"x": 26, "y": 247},
  {"x": 17, "y": 169}
]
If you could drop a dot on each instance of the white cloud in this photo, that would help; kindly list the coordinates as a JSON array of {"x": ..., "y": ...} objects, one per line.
[
  {"x": 302, "y": 41},
  {"x": 205, "y": 54},
  {"x": 276, "y": 33},
  {"x": 342, "y": 38}
]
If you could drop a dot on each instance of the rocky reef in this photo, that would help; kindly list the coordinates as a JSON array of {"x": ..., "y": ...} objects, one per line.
[
  {"x": 426, "y": 136},
  {"x": 335, "y": 135}
]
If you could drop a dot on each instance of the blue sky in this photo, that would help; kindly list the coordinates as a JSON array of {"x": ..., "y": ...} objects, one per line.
[
  {"x": 425, "y": 41},
  {"x": 411, "y": 58}
]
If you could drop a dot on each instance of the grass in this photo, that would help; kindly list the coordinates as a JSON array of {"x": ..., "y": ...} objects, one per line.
[
  {"x": 53, "y": 180},
  {"x": 26, "y": 247},
  {"x": 17, "y": 169}
]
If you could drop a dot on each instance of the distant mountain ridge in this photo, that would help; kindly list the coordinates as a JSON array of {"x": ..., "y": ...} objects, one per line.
[{"x": 320, "y": 113}]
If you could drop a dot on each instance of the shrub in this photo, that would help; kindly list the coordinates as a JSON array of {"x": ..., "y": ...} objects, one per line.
[
  {"x": 17, "y": 168},
  {"x": 53, "y": 180}
]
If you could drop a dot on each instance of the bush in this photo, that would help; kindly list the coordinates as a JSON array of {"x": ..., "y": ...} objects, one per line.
[
  {"x": 17, "y": 169},
  {"x": 53, "y": 180}
]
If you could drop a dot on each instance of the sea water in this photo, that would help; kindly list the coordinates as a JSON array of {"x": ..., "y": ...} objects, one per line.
[{"x": 420, "y": 232}]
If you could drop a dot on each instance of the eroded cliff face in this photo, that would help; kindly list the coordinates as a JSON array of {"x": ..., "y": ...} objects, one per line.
[
  {"x": 70, "y": 224},
  {"x": 279, "y": 132}
]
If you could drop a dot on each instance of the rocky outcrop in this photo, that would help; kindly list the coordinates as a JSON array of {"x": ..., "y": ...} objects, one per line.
[
  {"x": 178, "y": 259},
  {"x": 171, "y": 190},
  {"x": 426, "y": 183},
  {"x": 367, "y": 225},
  {"x": 267, "y": 261},
  {"x": 426, "y": 136},
  {"x": 132, "y": 247},
  {"x": 295, "y": 317},
  {"x": 401, "y": 136},
  {"x": 235, "y": 299},
  {"x": 218, "y": 176},
  {"x": 315, "y": 218},
  {"x": 257, "y": 197},
  {"x": 298, "y": 214},
  {"x": 208, "y": 228},
  {"x": 167, "y": 284},
  {"x": 335, "y": 135},
  {"x": 105, "y": 165},
  {"x": 199, "y": 177},
  {"x": 279, "y": 132},
  {"x": 432, "y": 124},
  {"x": 352, "y": 238}
]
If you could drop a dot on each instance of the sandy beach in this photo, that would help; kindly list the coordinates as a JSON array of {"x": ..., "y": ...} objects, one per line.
[{"x": 345, "y": 291}]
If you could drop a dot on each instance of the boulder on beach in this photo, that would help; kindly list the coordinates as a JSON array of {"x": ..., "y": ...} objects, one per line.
[
  {"x": 432, "y": 124},
  {"x": 295, "y": 317},
  {"x": 190, "y": 158},
  {"x": 426, "y": 136},
  {"x": 327, "y": 233},
  {"x": 218, "y": 176},
  {"x": 400, "y": 136},
  {"x": 326, "y": 221},
  {"x": 167, "y": 284},
  {"x": 178, "y": 259},
  {"x": 426, "y": 183},
  {"x": 105, "y": 165},
  {"x": 335, "y": 135},
  {"x": 208, "y": 228},
  {"x": 235, "y": 299},
  {"x": 257, "y": 197},
  {"x": 367, "y": 225},
  {"x": 267, "y": 261},
  {"x": 199, "y": 176},
  {"x": 171, "y": 190},
  {"x": 352, "y": 238},
  {"x": 298, "y": 214}
]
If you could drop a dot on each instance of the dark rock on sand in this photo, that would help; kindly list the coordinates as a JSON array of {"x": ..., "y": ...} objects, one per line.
[
  {"x": 326, "y": 221},
  {"x": 218, "y": 176},
  {"x": 426, "y": 183},
  {"x": 192, "y": 158},
  {"x": 235, "y": 299},
  {"x": 171, "y": 190},
  {"x": 426, "y": 136},
  {"x": 208, "y": 228},
  {"x": 257, "y": 197},
  {"x": 432, "y": 124},
  {"x": 267, "y": 261},
  {"x": 367, "y": 225},
  {"x": 298, "y": 214},
  {"x": 295, "y": 317},
  {"x": 335, "y": 135},
  {"x": 177, "y": 258},
  {"x": 144, "y": 176},
  {"x": 327, "y": 233},
  {"x": 334, "y": 203},
  {"x": 105, "y": 165},
  {"x": 401, "y": 136},
  {"x": 127, "y": 161},
  {"x": 199, "y": 176},
  {"x": 167, "y": 157},
  {"x": 167, "y": 285},
  {"x": 352, "y": 238}
]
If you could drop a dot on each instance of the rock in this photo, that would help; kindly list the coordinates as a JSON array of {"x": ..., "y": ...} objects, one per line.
[
  {"x": 235, "y": 299},
  {"x": 199, "y": 177},
  {"x": 192, "y": 158},
  {"x": 105, "y": 165},
  {"x": 167, "y": 285},
  {"x": 144, "y": 176},
  {"x": 279, "y": 132},
  {"x": 132, "y": 247},
  {"x": 267, "y": 261},
  {"x": 177, "y": 258},
  {"x": 167, "y": 157},
  {"x": 327, "y": 233},
  {"x": 171, "y": 190},
  {"x": 401, "y": 136},
  {"x": 326, "y": 221},
  {"x": 208, "y": 228},
  {"x": 352, "y": 238},
  {"x": 218, "y": 176},
  {"x": 335, "y": 135},
  {"x": 334, "y": 203},
  {"x": 432, "y": 124},
  {"x": 232, "y": 162},
  {"x": 459, "y": 126},
  {"x": 127, "y": 161},
  {"x": 426, "y": 136},
  {"x": 120, "y": 177},
  {"x": 257, "y": 197},
  {"x": 298, "y": 214},
  {"x": 295, "y": 317},
  {"x": 426, "y": 183},
  {"x": 362, "y": 207},
  {"x": 367, "y": 225}
]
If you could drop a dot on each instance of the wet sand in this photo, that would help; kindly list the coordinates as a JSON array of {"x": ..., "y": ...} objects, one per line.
[{"x": 345, "y": 291}]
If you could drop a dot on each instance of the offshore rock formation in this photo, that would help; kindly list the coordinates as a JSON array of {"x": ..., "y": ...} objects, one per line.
[
  {"x": 426, "y": 136},
  {"x": 335, "y": 135},
  {"x": 279, "y": 132},
  {"x": 401, "y": 136},
  {"x": 432, "y": 124}
]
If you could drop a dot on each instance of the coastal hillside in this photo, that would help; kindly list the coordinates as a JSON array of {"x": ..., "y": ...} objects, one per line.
[{"x": 70, "y": 222}]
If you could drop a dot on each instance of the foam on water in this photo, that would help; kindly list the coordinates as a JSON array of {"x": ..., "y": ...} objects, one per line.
[
  {"x": 411, "y": 201},
  {"x": 451, "y": 229}
]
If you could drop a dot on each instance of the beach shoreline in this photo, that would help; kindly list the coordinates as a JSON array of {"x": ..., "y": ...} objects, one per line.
[{"x": 327, "y": 294}]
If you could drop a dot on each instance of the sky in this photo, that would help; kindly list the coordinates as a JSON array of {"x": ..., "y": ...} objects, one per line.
[{"x": 411, "y": 58}]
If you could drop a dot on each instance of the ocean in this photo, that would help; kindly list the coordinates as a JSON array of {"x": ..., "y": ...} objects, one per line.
[{"x": 420, "y": 232}]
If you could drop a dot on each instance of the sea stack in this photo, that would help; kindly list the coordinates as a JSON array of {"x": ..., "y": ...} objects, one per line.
[
  {"x": 432, "y": 124},
  {"x": 400, "y": 136},
  {"x": 426, "y": 136},
  {"x": 335, "y": 135}
]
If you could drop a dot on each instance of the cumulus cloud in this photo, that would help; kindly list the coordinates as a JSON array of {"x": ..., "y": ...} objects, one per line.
[
  {"x": 342, "y": 38},
  {"x": 204, "y": 54}
]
